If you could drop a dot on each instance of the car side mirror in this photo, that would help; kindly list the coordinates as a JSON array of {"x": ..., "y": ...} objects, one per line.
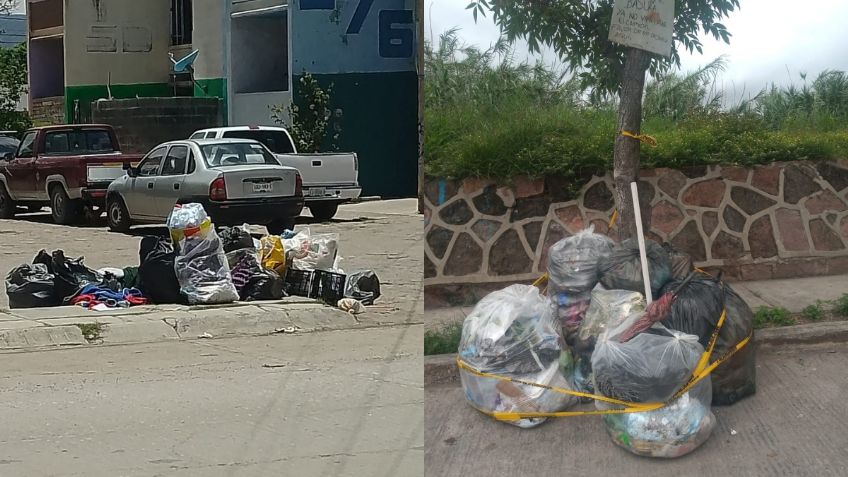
[{"x": 131, "y": 171}]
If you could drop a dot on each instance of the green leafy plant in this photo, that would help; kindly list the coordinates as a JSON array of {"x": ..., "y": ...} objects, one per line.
[
  {"x": 813, "y": 312},
  {"x": 310, "y": 116},
  {"x": 840, "y": 305},
  {"x": 443, "y": 341},
  {"x": 13, "y": 84},
  {"x": 772, "y": 316}
]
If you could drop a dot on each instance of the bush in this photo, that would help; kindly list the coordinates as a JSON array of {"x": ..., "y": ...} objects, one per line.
[
  {"x": 443, "y": 341},
  {"x": 813, "y": 312},
  {"x": 768, "y": 316},
  {"x": 840, "y": 305}
]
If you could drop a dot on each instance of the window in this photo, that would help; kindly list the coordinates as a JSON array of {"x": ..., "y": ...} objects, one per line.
[
  {"x": 277, "y": 141},
  {"x": 192, "y": 166},
  {"x": 181, "y": 26},
  {"x": 175, "y": 163},
  {"x": 150, "y": 165},
  {"x": 199, "y": 135},
  {"x": 237, "y": 154},
  {"x": 78, "y": 142},
  {"x": 211, "y": 135},
  {"x": 25, "y": 149}
]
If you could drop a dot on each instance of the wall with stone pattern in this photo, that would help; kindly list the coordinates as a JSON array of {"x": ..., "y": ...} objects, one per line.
[{"x": 776, "y": 221}]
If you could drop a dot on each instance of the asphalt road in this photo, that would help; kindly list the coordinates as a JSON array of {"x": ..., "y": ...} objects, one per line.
[{"x": 794, "y": 426}]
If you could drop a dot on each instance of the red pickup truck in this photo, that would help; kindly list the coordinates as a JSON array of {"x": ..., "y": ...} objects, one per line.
[{"x": 67, "y": 168}]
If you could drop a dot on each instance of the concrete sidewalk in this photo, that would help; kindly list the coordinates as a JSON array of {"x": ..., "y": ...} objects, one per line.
[
  {"x": 793, "y": 294},
  {"x": 794, "y": 425}
]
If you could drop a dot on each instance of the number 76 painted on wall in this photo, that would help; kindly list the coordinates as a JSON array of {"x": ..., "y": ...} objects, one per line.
[{"x": 394, "y": 42}]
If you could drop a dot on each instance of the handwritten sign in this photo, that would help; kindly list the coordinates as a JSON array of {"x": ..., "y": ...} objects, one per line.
[{"x": 644, "y": 24}]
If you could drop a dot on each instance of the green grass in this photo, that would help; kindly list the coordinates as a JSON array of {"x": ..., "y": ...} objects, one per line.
[
  {"x": 813, "y": 312},
  {"x": 91, "y": 331},
  {"x": 840, "y": 305},
  {"x": 772, "y": 316},
  {"x": 443, "y": 341}
]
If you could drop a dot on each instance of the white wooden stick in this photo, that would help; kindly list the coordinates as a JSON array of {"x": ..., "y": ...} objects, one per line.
[{"x": 637, "y": 211}]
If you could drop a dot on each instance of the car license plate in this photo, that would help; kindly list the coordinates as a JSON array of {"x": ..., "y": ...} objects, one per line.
[
  {"x": 262, "y": 187},
  {"x": 317, "y": 192}
]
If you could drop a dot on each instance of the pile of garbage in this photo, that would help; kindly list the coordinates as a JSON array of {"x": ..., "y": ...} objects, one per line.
[
  {"x": 526, "y": 355},
  {"x": 198, "y": 265}
]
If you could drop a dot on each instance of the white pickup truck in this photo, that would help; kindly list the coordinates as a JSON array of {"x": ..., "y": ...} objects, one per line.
[{"x": 328, "y": 179}]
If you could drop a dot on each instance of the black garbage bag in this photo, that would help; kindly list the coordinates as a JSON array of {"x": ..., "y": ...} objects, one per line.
[
  {"x": 157, "y": 279},
  {"x": 70, "y": 275},
  {"x": 252, "y": 281},
  {"x": 681, "y": 262},
  {"x": 622, "y": 269},
  {"x": 363, "y": 286},
  {"x": 235, "y": 238},
  {"x": 696, "y": 310},
  {"x": 31, "y": 286}
]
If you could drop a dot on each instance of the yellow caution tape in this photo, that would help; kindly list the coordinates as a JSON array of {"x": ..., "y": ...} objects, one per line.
[
  {"x": 613, "y": 218},
  {"x": 649, "y": 140}
]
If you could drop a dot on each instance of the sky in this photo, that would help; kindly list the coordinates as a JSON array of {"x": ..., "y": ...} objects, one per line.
[{"x": 773, "y": 40}]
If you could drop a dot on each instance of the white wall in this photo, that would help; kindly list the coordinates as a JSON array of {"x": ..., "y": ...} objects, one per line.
[
  {"x": 211, "y": 21},
  {"x": 252, "y": 109}
]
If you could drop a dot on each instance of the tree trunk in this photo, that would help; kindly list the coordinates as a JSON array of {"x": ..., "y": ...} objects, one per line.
[{"x": 626, "y": 156}]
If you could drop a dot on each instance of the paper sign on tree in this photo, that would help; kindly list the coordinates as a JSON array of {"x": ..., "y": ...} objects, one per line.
[{"x": 643, "y": 24}]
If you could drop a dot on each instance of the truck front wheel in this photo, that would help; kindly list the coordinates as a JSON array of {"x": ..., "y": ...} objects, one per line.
[
  {"x": 324, "y": 210},
  {"x": 65, "y": 210},
  {"x": 7, "y": 205}
]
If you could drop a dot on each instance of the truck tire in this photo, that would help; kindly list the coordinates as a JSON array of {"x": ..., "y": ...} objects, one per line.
[
  {"x": 324, "y": 210},
  {"x": 65, "y": 211},
  {"x": 279, "y": 226},
  {"x": 117, "y": 215},
  {"x": 7, "y": 205}
]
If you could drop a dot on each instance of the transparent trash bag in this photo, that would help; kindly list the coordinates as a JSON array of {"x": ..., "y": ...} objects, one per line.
[
  {"x": 651, "y": 367},
  {"x": 203, "y": 271},
  {"x": 622, "y": 269},
  {"x": 513, "y": 333},
  {"x": 312, "y": 251},
  {"x": 573, "y": 261}
]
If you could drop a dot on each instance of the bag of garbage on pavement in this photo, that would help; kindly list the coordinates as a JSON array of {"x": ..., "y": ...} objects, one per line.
[
  {"x": 70, "y": 275},
  {"x": 696, "y": 310},
  {"x": 252, "y": 281},
  {"x": 312, "y": 251},
  {"x": 272, "y": 254},
  {"x": 363, "y": 286},
  {"x": 513, "y": 333},
  {"x": 650, "y": 368},
  {"x": 156, "y": 276},
  {"x": 681, "y": 262},
  {"x": 201, "y": 265},
  {"x": 622, "y": 269},
  {"x": 31, "y": 286},
  {"x": 573, "y": 262},
  {"x": 235, "y": 238}
]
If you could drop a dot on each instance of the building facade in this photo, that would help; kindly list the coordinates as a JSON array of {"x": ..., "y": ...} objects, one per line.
[{"x": 251, "y": 54}]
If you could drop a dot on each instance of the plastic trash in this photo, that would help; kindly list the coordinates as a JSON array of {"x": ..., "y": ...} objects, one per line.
[
  {"x": 622, "y": 269},
  {"x": 351, "y": 305},
  {"x": 696, "y": 310},
  {"x": 188, "y": 220},
  {"x": 312, "y": 252},
  {"x": 363, "y": 286},
  {"x": 513, "y": 333},
  {"x": 235, "y": 238},
  {"x": 570, "y": 309},
  {"x": 652, "y": 367},
  {"x": 70, "y": 275},
  {"x": 573, "y": 261},
  {"x": 681, "y": 262},
  {"x": 272, "y": 254},
  {"x": 157, "y": 278},
  {"x": 31, "y": 286},
  {"x": 252, "y": 281},
  {"x": 202, "y": 270}
]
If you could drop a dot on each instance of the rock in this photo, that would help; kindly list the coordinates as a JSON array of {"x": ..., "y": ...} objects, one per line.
[
  {"x": 466, "y": 257},
  {"x": 791, "y": 228},
  {"x": 761, "y": 238},
  {"x": 824, "y": 238},
  {"x": 706, "y": 193},
  {"x": 438, "y": 240},
  {"x": 689, "y": 240},
  {"x": 429, "y": 268},
  {"x": 798, "y": 182},
  {"x": 665, "y": 217},
  {"x": 694, "y": 172},
  {"x": 458, "y": 213},
  {"x": 508, "y": 197},
  {"x": 767, "y": 179},
  {"x": 826, "y": 201},
  {"x": 750, "y": 201},
  {"x": 489, "y": 202},
  {"x": 738, "y": 174},
  {"x": 601, "y": 226},
  {"x": 530, "y": 208},
  {"x": 671, "y": 181},
  {"x": 709, "y": 222},
  {"x": 833, "y": 174},
  {"x": 434, "y": 189},
  {"x": 727, "y": 246},
  {"x": 532, "y": 231},
  {"x": 845, "y": 227},
  {"x": 527, "y": 187},
  {"x": 560, "y": 189},
  {"x": 472, "y": 185},
  {"x": 486, "y": 229},
  {"x": 571, "y": 217},
  {"x": 554, "y": 234},
  {"x": 507, "y": 255},
  {"x": 598, "y": 197},
  {"x": 734, "y": 219}
]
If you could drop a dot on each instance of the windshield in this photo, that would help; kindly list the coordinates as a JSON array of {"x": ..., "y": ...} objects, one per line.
[
  {"x": 237, "y": 154},
  {"x": 277, "y": 141}
]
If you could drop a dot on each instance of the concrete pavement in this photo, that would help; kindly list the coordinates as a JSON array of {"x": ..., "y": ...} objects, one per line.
[{"x": 794, "y": 426}]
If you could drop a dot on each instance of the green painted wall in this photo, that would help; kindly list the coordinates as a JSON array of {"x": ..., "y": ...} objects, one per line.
[
  {"x": 215, "y": 88},
  {"x": 88, "y": 94},
  {"x": 380, "y": 124}
]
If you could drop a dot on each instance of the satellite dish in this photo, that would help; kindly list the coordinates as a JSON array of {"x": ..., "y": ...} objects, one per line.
[{"x": 184, "y": 64}]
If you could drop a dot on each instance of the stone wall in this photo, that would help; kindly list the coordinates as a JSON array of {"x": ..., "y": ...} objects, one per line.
[
  {"x": 143, "y": 123},
  {"x": 776, "y": 221},
  {"x": 48, "y": 111}
]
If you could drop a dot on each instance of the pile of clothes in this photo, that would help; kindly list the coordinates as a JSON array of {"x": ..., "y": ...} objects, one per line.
[{"x": 611, "y": 344}]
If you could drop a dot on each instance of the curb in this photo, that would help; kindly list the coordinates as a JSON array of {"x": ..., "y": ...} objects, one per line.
[{"x": 441, "y": 368}]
